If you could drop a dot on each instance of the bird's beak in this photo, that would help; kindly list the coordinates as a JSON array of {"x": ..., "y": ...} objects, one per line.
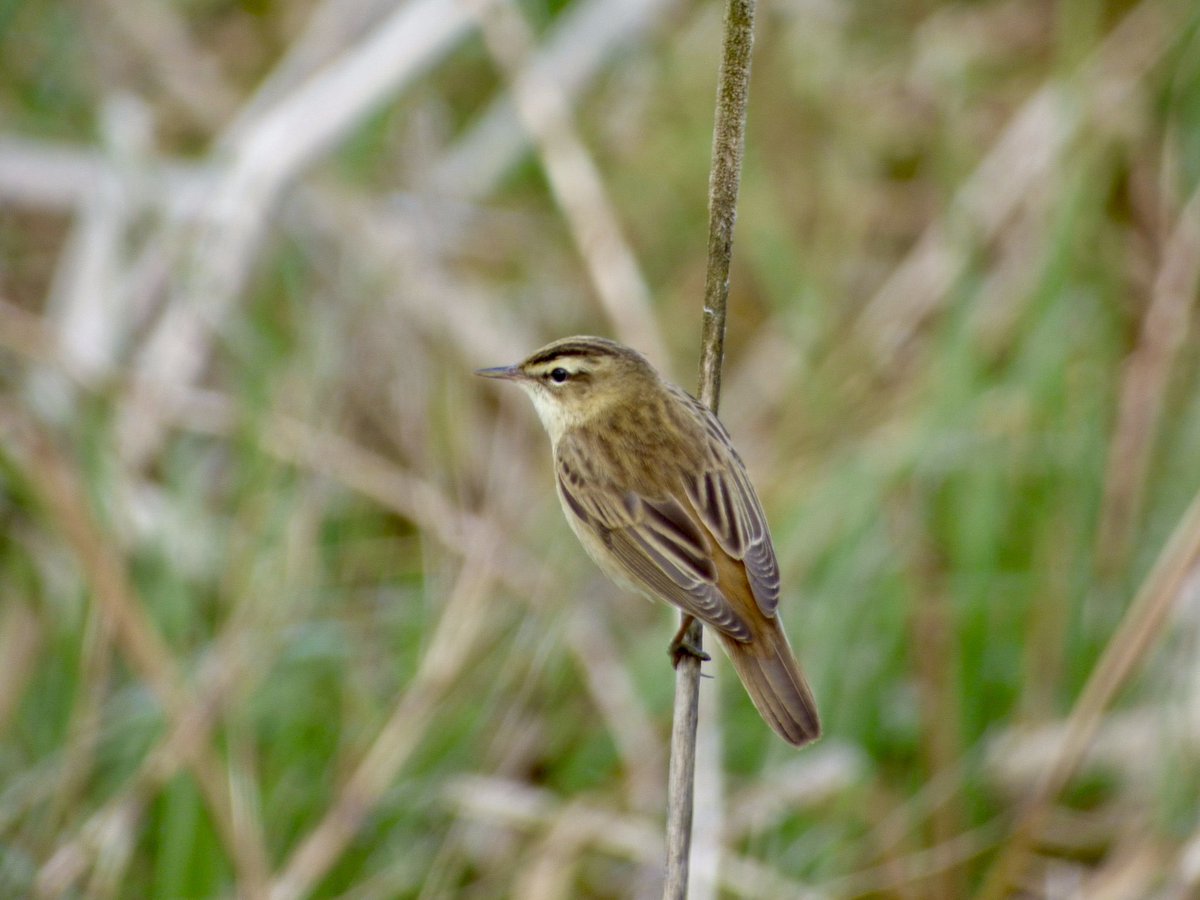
[{"x": 504, "y": 373}]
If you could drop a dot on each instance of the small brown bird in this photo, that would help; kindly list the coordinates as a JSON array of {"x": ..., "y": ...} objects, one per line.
[{"x": 652, "y": 487}]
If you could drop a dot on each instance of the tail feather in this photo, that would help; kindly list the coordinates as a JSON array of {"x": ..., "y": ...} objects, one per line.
[{"x": 773, "y": 679}]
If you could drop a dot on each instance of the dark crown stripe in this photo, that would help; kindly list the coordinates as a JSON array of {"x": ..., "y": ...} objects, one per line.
[{"x": 574, "y": 349}]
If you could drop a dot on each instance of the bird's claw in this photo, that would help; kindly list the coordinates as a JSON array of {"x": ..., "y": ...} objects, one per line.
[{"x": 681, "y": 647}]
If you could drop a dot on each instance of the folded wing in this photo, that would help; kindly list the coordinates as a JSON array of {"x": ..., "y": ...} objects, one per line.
[
  {"x": 660, "y": 546},
  {"x": 727, "y": 504}
]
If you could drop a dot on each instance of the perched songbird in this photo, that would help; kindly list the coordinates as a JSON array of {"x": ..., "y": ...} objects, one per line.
[{"x": 652, "y": 487}]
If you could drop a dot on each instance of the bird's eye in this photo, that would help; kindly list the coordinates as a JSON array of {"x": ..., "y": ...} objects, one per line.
[{"x": 558, "y": 376}]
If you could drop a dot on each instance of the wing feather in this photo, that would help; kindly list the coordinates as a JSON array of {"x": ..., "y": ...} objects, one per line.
[
  {"x": 662, "y": 544},
  {"x": 659, "y": 547},
  {"x": 729, "y": 508}
]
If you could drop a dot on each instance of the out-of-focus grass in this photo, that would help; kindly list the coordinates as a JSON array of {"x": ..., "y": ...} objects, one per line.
[{"x": 342, "y": 529}]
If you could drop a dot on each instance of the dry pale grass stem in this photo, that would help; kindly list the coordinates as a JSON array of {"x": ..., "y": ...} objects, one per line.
[
  {"x": 1024, "y": 160},
  {"x": 104, "y": 569},
  {"x": 568, "y": 58},
  {"x": 267, "y": 157},
  {"x": 1140, "y": 627},
  {"x": 570, "y": 829},
  {"x": 574, "y": 178},
  {"x": 1144, "y": 388},
  {"x": 461, "y": 625}
]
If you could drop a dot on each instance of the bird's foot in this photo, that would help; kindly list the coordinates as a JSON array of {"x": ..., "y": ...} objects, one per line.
[{"x": 681, "y": 647}]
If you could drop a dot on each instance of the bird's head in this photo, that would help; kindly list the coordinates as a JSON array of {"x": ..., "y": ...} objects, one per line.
[{"x": 575, "y": 379}]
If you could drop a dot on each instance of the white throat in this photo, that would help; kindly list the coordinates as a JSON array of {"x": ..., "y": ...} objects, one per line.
[{"x": 556, "y": 418}]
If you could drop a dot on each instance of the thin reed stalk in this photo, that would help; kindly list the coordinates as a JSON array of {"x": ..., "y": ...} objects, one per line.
[{"x": 729, "y": 138}]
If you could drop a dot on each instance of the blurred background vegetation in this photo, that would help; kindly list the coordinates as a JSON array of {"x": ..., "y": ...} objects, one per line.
[{"x": 287, "y": 606}]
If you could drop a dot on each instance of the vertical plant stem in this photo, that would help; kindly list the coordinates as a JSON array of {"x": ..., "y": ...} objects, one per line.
[{"x": 729, "y": 138}]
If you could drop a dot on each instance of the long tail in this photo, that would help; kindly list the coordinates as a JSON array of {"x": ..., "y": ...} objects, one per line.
[{"x": 773, "y": 680}]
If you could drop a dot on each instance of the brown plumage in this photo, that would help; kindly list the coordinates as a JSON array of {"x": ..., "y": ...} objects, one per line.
[
  {"x": 651, "y": 485},
  {"x": 766, "y": 665}
]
